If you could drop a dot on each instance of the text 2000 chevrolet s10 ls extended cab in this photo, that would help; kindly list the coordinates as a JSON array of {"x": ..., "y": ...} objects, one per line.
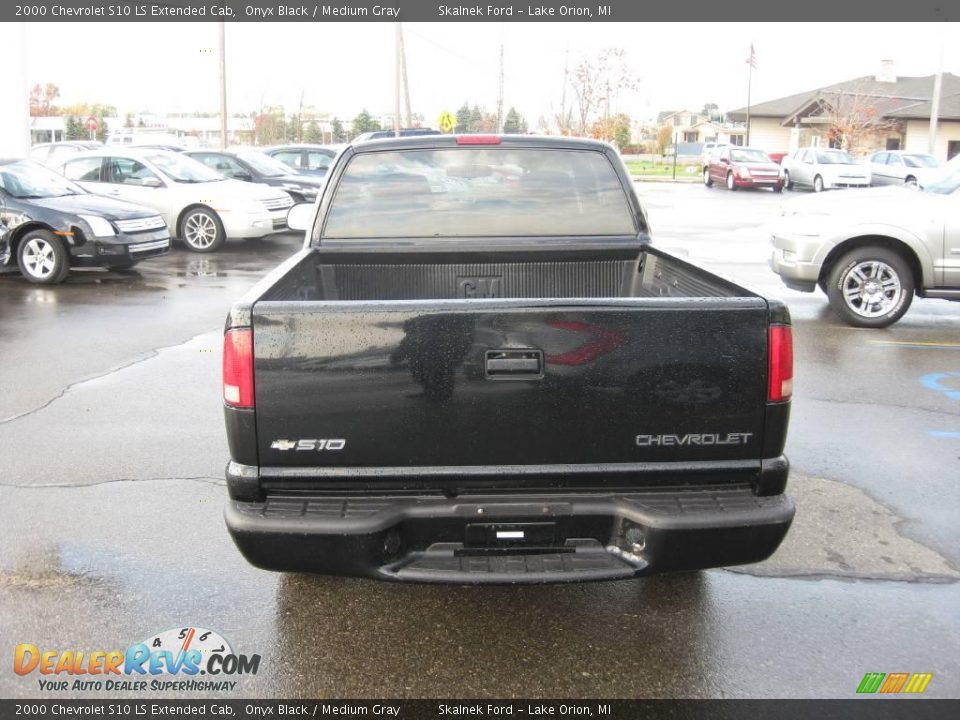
[{"x": 478, "y": 370}]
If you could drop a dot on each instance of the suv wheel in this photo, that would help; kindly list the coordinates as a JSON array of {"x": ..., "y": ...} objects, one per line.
[
  {"x": 787, "y": 182},
  {"x": 707, "y": 180},
  {"x": 870, "y": 287}
]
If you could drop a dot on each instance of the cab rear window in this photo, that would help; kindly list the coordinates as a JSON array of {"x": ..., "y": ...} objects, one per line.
[{"x": 479, "y": 192}]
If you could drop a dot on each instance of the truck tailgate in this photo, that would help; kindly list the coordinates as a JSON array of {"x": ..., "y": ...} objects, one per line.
[{"x": 521, "y": 384}]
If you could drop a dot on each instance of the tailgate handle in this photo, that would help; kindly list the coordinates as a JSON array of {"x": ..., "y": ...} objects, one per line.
[{"x": 514, "y": 364}]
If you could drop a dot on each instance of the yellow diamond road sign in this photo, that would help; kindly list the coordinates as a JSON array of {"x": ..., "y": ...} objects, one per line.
[{"x": 447, "y": 122}]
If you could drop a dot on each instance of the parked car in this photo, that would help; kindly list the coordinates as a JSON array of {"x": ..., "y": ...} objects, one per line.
[
  {"x": 709, "y": 150},
  {"x": 508, "y": 384},
  {"x": 404, "y": 132},
  {"x": 49, "y": 225},
  {"x": 199, "y": 205},
  {"x": 55, "y": 154},
  {"x": 872, "y": 251},
  {"x": 305, "y": 159},
  {"x": 823, "y": 169},
  {"x": 778, "y": 156},
  {"x": 158, "y": 146},
  {"x": 894, "y": 167},
  {"x": 145, "y": 137},
  {"x": 738, "y": 167},
  {"x": 251, "y": 165}
]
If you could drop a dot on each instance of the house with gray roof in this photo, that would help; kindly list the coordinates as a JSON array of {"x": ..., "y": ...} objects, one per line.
[{"x": 863, "y": 115}]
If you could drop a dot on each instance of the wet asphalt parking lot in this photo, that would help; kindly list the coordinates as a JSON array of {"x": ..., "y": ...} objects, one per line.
[{"x": 111, "y": 492}]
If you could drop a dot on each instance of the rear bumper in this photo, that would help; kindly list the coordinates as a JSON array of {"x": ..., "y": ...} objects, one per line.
[{"x": 529, "y": 538}]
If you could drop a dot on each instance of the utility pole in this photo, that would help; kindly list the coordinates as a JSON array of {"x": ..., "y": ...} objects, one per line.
[
  {"x": 935, "y": 102},
  {"x": 752, "y": 63},
  {"x": 500, "y": 97},
  {"x": 403, "y": 74},
  {"x": 563, "y": 94},
  {"x": 15, "y": 108},
  {"x": 397, "y": 79},
  {"x": 223, "y": 85}
]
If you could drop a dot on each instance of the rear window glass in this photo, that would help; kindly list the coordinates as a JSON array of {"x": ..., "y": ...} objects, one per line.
[{"x": 486, "y": 192}]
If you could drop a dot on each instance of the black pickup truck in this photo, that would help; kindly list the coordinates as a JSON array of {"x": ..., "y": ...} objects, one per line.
[{"x": 478, "y": 369}]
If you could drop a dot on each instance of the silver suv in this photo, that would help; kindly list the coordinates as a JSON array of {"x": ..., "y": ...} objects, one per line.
[{"x": 871, "y": 250}]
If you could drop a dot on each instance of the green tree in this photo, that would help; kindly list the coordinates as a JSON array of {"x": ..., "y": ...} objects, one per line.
[
  {"x": 313, "y": 134},
  {"x": 102, "y": 129},
  {"x": 463, "y": 119},
  {"x": 476, "y": 120},
  {"x": 664, "y": 138},
  {"x": 621, "y": 131},
  {"x": 364, "y": 123},
  {"x": 514, "y": 124},
  {"x": 73, "y": 130},
  {"x": 339, "y": 134}
]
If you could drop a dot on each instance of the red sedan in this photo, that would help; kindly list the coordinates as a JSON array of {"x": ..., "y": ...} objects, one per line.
[{"x": 738, "y": 167}]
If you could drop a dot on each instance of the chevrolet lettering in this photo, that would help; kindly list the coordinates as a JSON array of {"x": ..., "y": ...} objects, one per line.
[{"x": 694, "y": 439}]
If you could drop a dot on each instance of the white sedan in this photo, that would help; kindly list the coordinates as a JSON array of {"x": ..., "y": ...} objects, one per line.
[
  {"x": 199, "y": 205},
  {"x": 823, "y": 169}
]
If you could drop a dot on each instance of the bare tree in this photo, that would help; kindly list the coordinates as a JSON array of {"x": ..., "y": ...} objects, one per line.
[
  {"x": 599, "y": 80},
  {"x": 854, "y": 118},
  {"x": 42, "y": 99}
]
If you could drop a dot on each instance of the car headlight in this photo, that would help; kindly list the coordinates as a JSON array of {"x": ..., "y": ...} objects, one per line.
[
  {"x": 100, "y": 227},
  {"x": 744, "y": 172}
]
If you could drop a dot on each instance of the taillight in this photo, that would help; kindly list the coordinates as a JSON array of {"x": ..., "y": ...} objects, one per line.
[
  {"x": 478, "y": 140},
  {"x": 238, "y": 368},
  {"x": 781, "y": 363}
]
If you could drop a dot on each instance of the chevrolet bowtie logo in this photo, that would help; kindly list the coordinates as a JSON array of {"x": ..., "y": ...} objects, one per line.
[{"x": 283, "y": 445}]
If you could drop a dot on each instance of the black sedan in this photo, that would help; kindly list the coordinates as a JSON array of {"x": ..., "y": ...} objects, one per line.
[
  {"x": 305, "y": 158},
  {"x": 254, "y": 166},
  {"x": 48, "y": 225}
]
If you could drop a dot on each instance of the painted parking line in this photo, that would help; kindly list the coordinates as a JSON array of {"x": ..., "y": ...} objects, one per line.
[
  {"x": 919, "y": 345},
  {"x": 934, "y": 381}
]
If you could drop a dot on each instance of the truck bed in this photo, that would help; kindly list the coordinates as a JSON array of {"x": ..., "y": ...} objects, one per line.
[{"x": 548, "y": 383}]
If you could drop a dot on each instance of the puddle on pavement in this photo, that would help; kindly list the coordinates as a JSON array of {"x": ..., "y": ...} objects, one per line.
[{"x": 840, "y": 531}]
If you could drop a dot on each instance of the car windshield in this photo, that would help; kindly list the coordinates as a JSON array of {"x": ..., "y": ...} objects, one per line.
[
  {"x": 920, "y": 161},
  {"x": 263, "y": 164},
  {"x": 835, "y": 157},
  {"x": 183, "y": 169},
  {"x": 27, "y": 180},
  {"x": 946, "y": 185},
  {"x": 749, "y": 156}
]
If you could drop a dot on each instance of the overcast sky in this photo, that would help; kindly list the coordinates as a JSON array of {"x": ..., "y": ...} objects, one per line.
[{"x": 342, "y": 67}]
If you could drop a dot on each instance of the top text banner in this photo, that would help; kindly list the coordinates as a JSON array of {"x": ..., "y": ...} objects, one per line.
[{"x": 856, "y": 11}]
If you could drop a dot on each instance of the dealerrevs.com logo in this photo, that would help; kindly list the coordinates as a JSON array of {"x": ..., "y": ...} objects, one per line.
[{"x": 170, "y": 661}]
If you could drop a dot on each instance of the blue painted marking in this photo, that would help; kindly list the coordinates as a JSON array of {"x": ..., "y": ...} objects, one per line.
[
  {"x": 932, "y": 382},
  {"x": 944, "y": 434}
]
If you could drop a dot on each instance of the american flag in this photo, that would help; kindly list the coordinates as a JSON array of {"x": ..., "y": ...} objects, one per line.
[{"x": 752, "y": 60}]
